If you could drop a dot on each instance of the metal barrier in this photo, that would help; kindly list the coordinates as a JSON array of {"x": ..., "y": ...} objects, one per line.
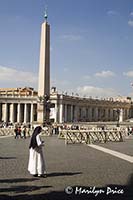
[
  {"x": 6, "y": 131},
  {"x": 91, "y": 136},
  {"x": 79, "y": 136},
  {"x": 47, "y": 131},
  {"x": 10, "y": 131}
]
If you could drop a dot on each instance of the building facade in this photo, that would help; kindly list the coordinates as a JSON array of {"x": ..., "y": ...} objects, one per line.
[
  {"x": 19, "y": 105},
  {"x": 67, "y": 108}
]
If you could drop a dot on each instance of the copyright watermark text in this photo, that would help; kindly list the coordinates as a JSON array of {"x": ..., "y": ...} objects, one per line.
[{"x": 93, "y": 191}]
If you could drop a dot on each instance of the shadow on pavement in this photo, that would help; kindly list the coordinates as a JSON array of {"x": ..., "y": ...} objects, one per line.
[
  {"x": 22, "y": 188},
  {"x": 3, "y": 158},
  {"x": 61, "y": 195},
  {"x": 75, "y": 193},
  {"x": 63, "y": 174},
  {"x": 17, "y": 180}
]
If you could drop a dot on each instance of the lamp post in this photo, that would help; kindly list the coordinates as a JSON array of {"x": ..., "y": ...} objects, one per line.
[
  {"x": 45, "y": 102},
  {"x": 118, "y": 117},
  {"x": 46, "y": 109},
  {"x": 117, "y": 110}
]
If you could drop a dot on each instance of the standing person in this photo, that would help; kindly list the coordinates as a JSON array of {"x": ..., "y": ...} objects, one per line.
[
  {"x": 28, "y": 132},
  {"x": 24, "y": 132},
  {"x": 16, "y": 132},
  {"x": 36, "y": 165},
  {"x": 19, "y": 131}
]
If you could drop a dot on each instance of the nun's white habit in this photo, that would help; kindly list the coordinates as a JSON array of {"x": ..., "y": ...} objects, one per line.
[{"x": 36, "y": 165}]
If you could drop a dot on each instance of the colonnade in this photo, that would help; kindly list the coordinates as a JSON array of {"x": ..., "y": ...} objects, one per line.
[
  {"x": 18, "y": 112},
  {"x": 75, "y": 113},
  {"x": 24, "y": 110}
]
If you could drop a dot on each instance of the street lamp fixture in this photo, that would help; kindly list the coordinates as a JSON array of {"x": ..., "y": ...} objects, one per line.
[
  {"x": 45, "y": 101},
  {"x": 46, "y": 109},
  {"x": 118, "y": 116}
]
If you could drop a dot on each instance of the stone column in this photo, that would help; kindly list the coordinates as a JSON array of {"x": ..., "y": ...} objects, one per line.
[
  {"x": 87, "y": 113},
  {"x": 111, "y": 114},
  {"x": 65, "y": 114},
  {"x": 56, "y": 112},
  {"x": 4, "y": 112},
  {"x": 90, "y": 113},
  {"x": 96, "y": 114},
  {"x": 18, "y": 113},
  {"x": 25, "y": 113},
  {"x": 75, "y": 114},
  {"x": 106, "y": 114},
  {"x": 0, "y": 111},
  {"x": 12, "y": 113},
  {"x": 100, "y": 113},
  {"x": 31, "y": 114},
  {"x": 28, "y": 112},
  {"x": 121, "y": 115},
  {"x": 61, "y": 113},
  {"x": 128, "y": 114},
  {"x": 71, "y": 113}
]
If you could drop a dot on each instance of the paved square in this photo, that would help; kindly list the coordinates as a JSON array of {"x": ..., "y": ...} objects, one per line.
[{"x": 81, "y": 167}]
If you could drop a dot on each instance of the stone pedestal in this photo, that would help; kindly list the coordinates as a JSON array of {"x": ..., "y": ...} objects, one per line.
[{"x": 40, "y": 113}]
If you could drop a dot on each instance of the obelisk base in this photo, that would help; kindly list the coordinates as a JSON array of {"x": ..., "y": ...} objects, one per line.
[{"x": 40, "y": 113}]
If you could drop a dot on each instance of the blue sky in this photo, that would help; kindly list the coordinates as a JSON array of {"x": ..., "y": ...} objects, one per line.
[{"x": 91, "y": 45}]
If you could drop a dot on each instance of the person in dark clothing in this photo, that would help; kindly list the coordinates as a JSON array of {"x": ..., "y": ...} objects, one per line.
[
  {"x": 19, "y": 131},
  {"x": 16, "y": 132}
]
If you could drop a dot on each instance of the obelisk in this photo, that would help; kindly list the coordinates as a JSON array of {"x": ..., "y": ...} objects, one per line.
[{"x": 44, "y": 72}]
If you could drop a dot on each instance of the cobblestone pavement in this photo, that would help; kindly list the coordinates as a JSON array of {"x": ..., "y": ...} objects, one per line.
[{"x": 82, "y": 168}]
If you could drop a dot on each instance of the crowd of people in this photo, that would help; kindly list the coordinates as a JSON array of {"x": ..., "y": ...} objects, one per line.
[
  {"x": 6, "y": 124},
  {"x": 21, "y": 132}
]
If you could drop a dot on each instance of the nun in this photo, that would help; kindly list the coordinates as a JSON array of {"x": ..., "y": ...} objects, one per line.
[{"x": 36, "y": 165}]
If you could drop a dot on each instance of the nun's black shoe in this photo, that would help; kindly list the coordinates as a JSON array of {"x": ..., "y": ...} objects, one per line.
[
  {"x": 35, "y": 175},
  {"x": 42, "y": 175}
]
